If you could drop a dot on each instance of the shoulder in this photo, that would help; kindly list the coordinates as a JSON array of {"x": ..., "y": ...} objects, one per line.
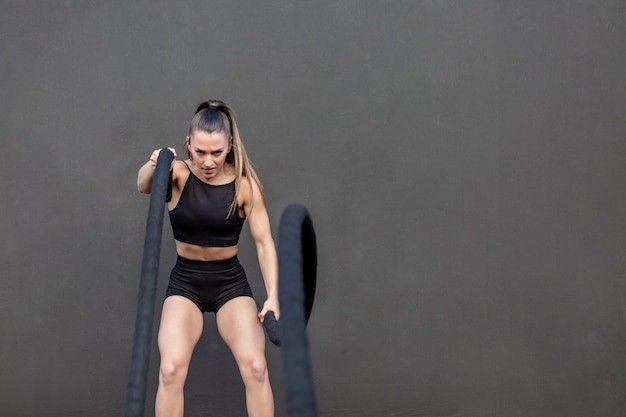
[
  {"x": 249, "y": 185},
  {"x": 245, "y": 188},
  {"x": 249, "y": 190},
  {"x": 180, "y": 171}
]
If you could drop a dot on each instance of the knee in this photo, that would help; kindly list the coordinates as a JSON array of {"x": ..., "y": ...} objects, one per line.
[
  {"x": 255, "y": 371},
  {"x": 172, "y": 375}
]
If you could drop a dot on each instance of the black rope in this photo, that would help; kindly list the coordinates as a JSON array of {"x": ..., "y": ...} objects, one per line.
[
  {"x": 140, "y": 359},
  {"x": 297, "y": 259}
]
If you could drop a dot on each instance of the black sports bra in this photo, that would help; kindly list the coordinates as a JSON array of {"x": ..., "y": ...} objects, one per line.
[{"x": 201, "y": 215}]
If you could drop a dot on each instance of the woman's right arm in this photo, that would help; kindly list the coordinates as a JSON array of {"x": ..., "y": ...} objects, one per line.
[{"x": 146, "y": 172}]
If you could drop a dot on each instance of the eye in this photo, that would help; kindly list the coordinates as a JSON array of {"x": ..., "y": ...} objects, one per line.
[{"x": 217, "y": 153}]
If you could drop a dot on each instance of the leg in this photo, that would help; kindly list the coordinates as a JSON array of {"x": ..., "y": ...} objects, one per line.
[
  {"x": 239, "y": 326},
  {"x": 180, "y": 329}
]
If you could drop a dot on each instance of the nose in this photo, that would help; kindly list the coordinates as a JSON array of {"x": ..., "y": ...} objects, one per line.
[{"x": 207, "y": 162}]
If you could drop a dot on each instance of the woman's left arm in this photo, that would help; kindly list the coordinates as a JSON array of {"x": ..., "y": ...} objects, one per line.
[{"x": 258, "y": 221}]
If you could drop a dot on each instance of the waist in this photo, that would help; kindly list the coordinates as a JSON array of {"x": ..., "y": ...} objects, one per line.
[
  {"x": 194, "y": 266},
  {"x": 205, "y": 253}
]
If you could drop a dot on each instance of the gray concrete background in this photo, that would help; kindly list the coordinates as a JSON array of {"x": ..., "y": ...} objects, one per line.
[{"x": 463, "y": 163}]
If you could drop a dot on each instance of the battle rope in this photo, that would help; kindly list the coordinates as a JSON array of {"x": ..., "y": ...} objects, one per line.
[
  {"x": 138, "y": 375},
  {"x": 297, "y": 261}
]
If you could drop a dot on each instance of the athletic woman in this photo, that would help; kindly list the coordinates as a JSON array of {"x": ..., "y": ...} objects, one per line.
[{"x": 214, "y": 191}]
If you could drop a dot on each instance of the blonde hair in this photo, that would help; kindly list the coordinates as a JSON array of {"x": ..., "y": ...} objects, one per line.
[{"x": 216, "y": 116}]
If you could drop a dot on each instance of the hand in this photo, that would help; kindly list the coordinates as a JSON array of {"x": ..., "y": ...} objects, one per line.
[
  {"x": 155, "y": 156},
  {"x": 271, "y": 304}
]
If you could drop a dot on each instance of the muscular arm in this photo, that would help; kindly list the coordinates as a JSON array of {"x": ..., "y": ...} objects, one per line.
[{"x": 259, "y": 223}]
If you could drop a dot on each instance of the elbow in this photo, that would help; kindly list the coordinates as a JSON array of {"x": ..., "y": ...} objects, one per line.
[
  {"x": 142, "y": 188},
  {"x": 144, "y": 184},
  {"x": 263, "y": 245}
]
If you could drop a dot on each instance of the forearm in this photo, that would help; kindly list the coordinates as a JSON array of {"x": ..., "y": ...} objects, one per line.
[
  {"x": 144, "y": 177},
  {"x": 268, "y": 262}
]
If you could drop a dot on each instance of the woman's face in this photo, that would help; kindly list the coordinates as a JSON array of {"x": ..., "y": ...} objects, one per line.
[{"x": 208, "y": 152}]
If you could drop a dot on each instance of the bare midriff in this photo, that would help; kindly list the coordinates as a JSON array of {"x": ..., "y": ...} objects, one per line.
[{"x": 204, "y": 253}]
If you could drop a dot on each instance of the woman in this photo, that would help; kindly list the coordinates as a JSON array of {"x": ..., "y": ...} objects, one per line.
[{"x": 213, "y": 192}]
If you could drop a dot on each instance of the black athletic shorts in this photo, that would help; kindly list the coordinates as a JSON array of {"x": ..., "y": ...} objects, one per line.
[{"x": 209, "y": 284}]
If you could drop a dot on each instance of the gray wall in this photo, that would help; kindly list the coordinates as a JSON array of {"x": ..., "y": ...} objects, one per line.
[{"x": 463, "y": 163}]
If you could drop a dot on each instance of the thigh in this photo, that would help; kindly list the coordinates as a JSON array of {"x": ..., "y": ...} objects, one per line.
[
  {"x": 180, "y": 329},
  {"x": 238, "y": 324}
]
